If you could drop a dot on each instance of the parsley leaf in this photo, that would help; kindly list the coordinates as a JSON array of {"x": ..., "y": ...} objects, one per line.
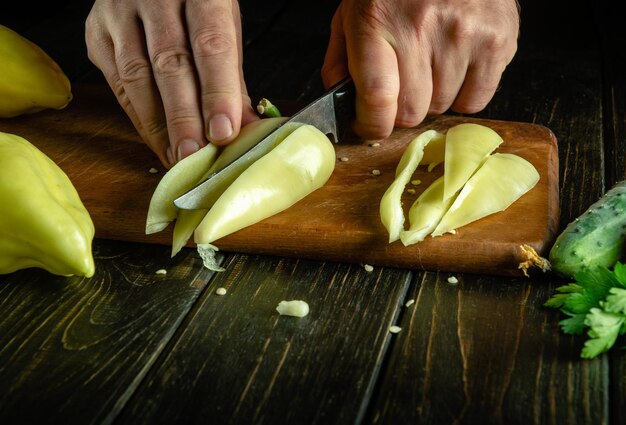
[
  {"x": 616, "y": 302},
  {"x": 604, "y": 329},
  {"x": 595, "y": 303},
  {"x": 620, "y": 273}
]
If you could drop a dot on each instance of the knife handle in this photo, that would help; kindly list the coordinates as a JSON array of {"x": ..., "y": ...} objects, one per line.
[{"x": 344, "y": 94}]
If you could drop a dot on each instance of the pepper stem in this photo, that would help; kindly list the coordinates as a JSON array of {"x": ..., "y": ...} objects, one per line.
[{"x": 268, "y": 109}]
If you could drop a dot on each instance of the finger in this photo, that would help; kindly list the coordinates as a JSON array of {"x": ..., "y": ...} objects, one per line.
[
  {"x": 481, "y": 82},
  {"x": 487, "y": 63},
  {"x": 416, "y": 84},
  {"x": 122, "y": 58},
  {"x": 335, "y": 66},
  {"x": 215, "y": 38},
  {"x": 448, "y": 73},
  {"x": 248, "y": 112},
  {"x": 174, "y": 73},
  {"x": 374, "y": 68}
]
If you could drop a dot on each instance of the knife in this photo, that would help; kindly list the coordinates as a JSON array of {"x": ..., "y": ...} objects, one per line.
[{"x": 331, "y": 113}]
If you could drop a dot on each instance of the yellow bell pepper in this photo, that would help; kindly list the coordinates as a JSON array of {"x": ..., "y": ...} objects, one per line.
[
  {"x": 43, "y": 222},
  {"x": 30, "y": 80}
]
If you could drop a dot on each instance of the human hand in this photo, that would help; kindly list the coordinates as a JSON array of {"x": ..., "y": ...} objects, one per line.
[
  {"x": 175, "y": 67},
  {"x": 410, "y": 58}
]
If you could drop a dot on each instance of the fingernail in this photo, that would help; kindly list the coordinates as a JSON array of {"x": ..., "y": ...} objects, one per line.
[
  {"x": 220, "y": 128},
  {"x": 186, "y": 148}
]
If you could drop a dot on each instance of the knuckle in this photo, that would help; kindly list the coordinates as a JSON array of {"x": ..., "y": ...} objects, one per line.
[
  {"x": 470, "y": 106},
  {"x": 376, "y": 13},
  {"x": 438, "y": 108},
  {"x": 213, "y": 96},
  {"x": 379, "y": 93},
  {"x": 181, "y": 117},
  {"x": 492, "y": 38},
  {"x": 170, "y": 61},
  {"x": 462, "y": 31},
  {"x": 91, "y": 27},
  {"x": 411, "y": 118},
  {"x": 410, "y": 114},
  {"x": 210, "y": 42},
  {"x": 133, "y": 69},
  {"x": 154, "y": 128},
  {"x": 440, "y": 103},
  {"x": 495, "y": 42},
  {"x": 96, "y": 42}
]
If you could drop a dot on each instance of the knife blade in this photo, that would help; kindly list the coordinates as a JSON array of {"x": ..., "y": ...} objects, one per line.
[{"x": 331, "y": 113}]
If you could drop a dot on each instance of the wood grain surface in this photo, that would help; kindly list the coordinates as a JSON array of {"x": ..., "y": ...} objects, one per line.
[
  {"x": 130, "y": 347},
  {"x": 96, "y": 146}
]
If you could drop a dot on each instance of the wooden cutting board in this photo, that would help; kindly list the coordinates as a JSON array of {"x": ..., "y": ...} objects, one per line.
[{"x": 95, "y": 144}]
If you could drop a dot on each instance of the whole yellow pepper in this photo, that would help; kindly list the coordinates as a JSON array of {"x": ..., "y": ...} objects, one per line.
[
  {"x": 43, "y": 222},
  {"x": 30, "y": 80}
]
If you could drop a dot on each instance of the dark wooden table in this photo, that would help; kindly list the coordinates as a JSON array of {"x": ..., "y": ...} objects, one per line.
[{"x": 130, "y": 347}]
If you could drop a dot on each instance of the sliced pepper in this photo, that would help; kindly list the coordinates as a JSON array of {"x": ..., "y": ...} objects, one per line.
[
  {"x": 194, "y": 169},
  {"x": 249, "y": 136},
  {"x": 500, "y": 181},
  {"x": 179, "y": 179},
  {"x": 300, "y": 164},
  {"x": 467, "y": 146},
  {"x": 391, "y": 213},
  {"x": 426, "y": 213}
]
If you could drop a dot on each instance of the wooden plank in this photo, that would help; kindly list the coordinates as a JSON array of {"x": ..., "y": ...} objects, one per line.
[
  {"x": 92, "y": 141},
  {"x": 239, "y": 361},
  {"x": 73, "y": 350},
  {"x": 486, "y": 349}
]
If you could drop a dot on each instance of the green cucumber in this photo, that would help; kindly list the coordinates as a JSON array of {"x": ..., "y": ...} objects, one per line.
[{"x": 596, "y": 238}]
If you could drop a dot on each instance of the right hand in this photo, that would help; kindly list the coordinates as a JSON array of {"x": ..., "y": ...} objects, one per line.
[
  {"x": 175, "y": 67},
  {"x": 412, "y": 58}
]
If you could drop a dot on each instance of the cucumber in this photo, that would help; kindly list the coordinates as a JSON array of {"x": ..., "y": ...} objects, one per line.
[{"x": 596, "y": 238}]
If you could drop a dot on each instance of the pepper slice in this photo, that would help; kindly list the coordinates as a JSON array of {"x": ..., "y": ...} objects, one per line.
[
  {"x": 467, "y": 146},
  {"x": 500, "y": 181},
  {"x": 391, "y": 213},
  {"x": 426, "y": 213},
  {"x": 180, "y": 178}
]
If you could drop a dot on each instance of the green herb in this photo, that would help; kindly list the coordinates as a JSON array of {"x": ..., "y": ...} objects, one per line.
[{"x": 595, "y": 303}]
